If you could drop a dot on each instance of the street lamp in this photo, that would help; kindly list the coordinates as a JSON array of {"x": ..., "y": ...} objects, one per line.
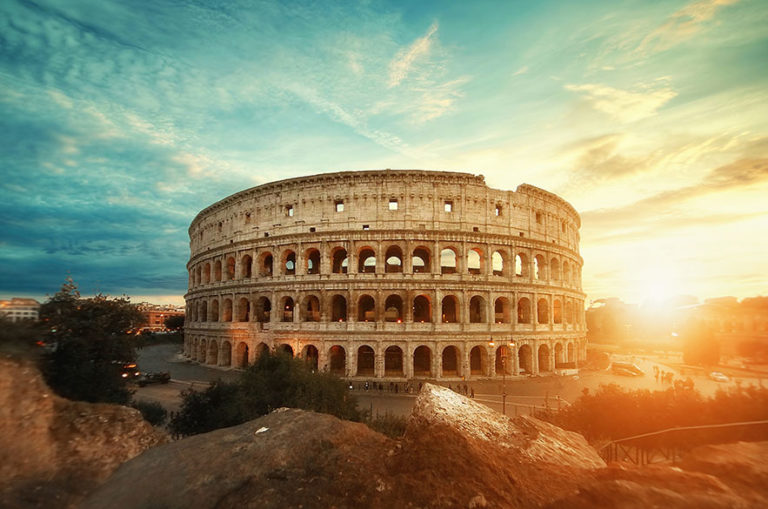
[{"x": 491, "y": 343}]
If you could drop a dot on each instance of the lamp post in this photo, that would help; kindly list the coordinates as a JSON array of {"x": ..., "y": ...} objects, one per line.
[{"x": 503, "y": 375}]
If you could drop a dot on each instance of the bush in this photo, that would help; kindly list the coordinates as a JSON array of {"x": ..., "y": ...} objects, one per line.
[
  {"x": 388, "y": 424},
  {"x": 151, "y": 411}
]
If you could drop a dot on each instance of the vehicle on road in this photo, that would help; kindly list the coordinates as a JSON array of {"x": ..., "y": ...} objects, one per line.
[
  {"x": 718, "y": 377},
  {"x": 161, "y": 377},
  {"x": 626, "y": 369},
  {"x": 130, "y": 371}
]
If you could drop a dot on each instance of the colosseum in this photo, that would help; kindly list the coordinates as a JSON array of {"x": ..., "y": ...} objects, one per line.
[{"x": 391, "y": 274}]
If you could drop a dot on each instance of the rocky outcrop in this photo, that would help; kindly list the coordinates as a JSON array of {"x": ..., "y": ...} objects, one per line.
[{"x": 52, "y": 450}]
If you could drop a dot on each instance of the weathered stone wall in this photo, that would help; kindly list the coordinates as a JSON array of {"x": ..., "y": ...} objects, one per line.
[{"x": 393, "y": 273}]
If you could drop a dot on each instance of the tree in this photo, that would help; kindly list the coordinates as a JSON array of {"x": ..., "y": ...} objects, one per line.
[
  {"x": 91, "y": 345},
  {"x": 174, "y": 322},
  {"x": 700, "y": 346}
]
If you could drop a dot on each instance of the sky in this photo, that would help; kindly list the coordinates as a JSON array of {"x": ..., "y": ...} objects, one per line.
[{"x": 120, "y": 121}]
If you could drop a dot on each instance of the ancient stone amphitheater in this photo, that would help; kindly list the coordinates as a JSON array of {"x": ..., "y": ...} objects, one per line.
[{"x": 392, "y": 274}]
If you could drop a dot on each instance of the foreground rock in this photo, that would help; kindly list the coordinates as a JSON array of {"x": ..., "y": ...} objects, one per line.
[
  {"x": 456, "y": 453},
  {"x": 52, "y": 450}
]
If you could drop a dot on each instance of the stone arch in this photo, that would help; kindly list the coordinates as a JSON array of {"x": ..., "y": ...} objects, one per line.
[
  {"x": 246, "y": 267},
  {"x": 202, "y": 354},
  {"x": 569, "y": 352},
  {"x": 366, "y": 309},
  {"x": 525, "y": 358},
  {"x": 198, "y": 275},
  {"x": 217, "y": 270},
  {"x": 521, "y": 265},
  {"x": 213, "y": 353},
  {"x": 225, "y": 353},
  {"x": 230, "y": 268},
  {"x": 339, "y": 261},
  {"x": 448, "y": 259},
  {"x": 310, "y": 309},
  {"x": 285, "y": 348},
  {"x": 312, "y": 257},
  {"x": 393, "y": 309},
  {"x": 503, "y": 360},
  {"x": 544, "y": 358},
  {"x": 338, "y": 308},
  {"x": 422, "y": 309},
  {"x": 393, "y": 260},
  {"x": 475, "y": 261},
  {"x": 311, "y": 356},
  {"x": 542, "y": 311},
  {"x": 243, "y": 310},
  {"x": 421, "y": 261},
  {"x": 207, "y": 273},
  {"x": 366, "y": 361},
  {"x": 554, "y": 269},
  {"x": 557, "y": 311},
  {"x": 501, "y": 310},
  {"x": 499, "y": 263},
  {"x": 559, "y": 355},
  {"x": 337, "y": 357},
  {"x": 393, "y": 361},
  {"x": 478, "y": 360},
  {"x": 263, "y": 309},
  {"x": 366, "y": 261},
  {"x": 241, "y": 355},
  {"x": 215, "y": 310},
  {"x": 422, "y": 361},
  {"x": 286, "y": 308},
  {"x": 226, "y": 312},
  {"x": 266, "y": 264},
  {"x": 539, "y": 268},
  {"x": 449, "y": 361},
  {"x": 568, "y": 311},
  {"x": 204, "y": 311},
  {"x": 289, "y": 262},
  {"x": 261, "y": 349},
  {"x": 523, "y": 310},
  {"x": 477, "y": 310},
  {"x": 450, "y": 309}
]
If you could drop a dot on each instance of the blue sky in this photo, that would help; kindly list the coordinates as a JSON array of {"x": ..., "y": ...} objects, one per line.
[{"x": 120, "y": 121}]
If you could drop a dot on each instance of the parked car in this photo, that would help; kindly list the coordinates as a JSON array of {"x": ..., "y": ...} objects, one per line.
[
  {"x": 626, "y": 369},
  {"x": 718, "y": 377},
  {"x": 161, "y": 377},
  {"x": 130, "y": 371}
]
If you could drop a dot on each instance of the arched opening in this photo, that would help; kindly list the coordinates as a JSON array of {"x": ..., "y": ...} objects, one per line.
[
  {"x": 213, "y": 353},
  {"x": 207, "y": 273},
  {"x": 217, "y": 270},
  {"x": 393, "y": 260},
  {"x": 311, "y": 309},
  {"x": 338, "y": 309},
  {"x": 568, "y": 312},
  {"x": 501, "y": 310},
  {"x": 393, "y": 361},
  {"x": 198, "y": 275},
  {"x": 477, "y": 310},
  {"x": 365, "y": 361},
  {"x": 226, "y": 315},
  {"x": 478, "y": 358},
  {"x": 230, "y": 268},
  {"x": 554, "y": 269},
  {"x": 225, "y": 354},
  {"x": 215, "y": 310},
  {"x": 421, "y": 260},
  {"x": 497, "y": 264},
  {"x": 447, "y": 261},
  {"x": 557, "y": 311},
  {"x": 337, "y": 356},
  {"x": 246, "y": 267},
  {"x": 474, "y": 261},
  {"x": 544, "y": 359},
  {"x": 285, "y": 349},
  {"x": 204, "y": 311},
  {"x": 539, "y": 268},
  {"x": 504, "y": 362},
  {"x": 311, "y": 357},
  {"x": 566, "y": 273},
  {"x": 266, "y": 265},
  {"x": 202, "y": 354},
  {"x": 287, "y": 309},
  {"x": 525, "y": 358},
  {"x": 263, "y": 309},
  {"x": 559, "y": 355},
  {"x": 422, "y": 361},
  {"x": 450, "y": 309},
  {"x": 523, "y": 310},
  {"x": 521, "y": 265},
  {"x": 571, "y": 358},
  {"x": 261, "y": 349},
  {"x": 366, "y": 309},
  {"x": 241, "y": 355},
  {"x": 393, "y": 309},
  {"x": 243, "y": 310},
  {"x": 339, "y": 261},
  {"x": 542, "y": 311},
  {"x": 450, "y": 361},
  {"x": 313, "y": 261},
  {"x": 366, "y": 263},
  {"x": 422, "y": 309},
  {"x": 289, "y": 263}
]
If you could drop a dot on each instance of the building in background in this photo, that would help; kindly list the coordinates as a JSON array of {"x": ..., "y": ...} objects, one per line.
[
  {"x": 156, "y": 315},
  {"x": 18, "y": 309}
]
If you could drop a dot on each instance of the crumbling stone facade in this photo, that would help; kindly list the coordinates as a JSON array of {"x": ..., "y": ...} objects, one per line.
[{"x": 388, "y": 274}]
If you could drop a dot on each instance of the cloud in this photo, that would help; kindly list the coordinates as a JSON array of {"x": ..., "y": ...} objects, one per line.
[
  {"x": 401, "y": 65},
  {"x": 682, "y": 25},
  {"x": 626, "y": 106},
  {"x": 522, "y": 70}
]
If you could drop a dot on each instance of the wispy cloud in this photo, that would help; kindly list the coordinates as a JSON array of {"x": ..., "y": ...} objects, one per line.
[
  {"x": 624, "y": 105},
  {"x": 401, "y": 65}
]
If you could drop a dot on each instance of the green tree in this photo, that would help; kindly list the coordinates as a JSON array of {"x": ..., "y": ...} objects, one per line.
[
  {"x": 174, "y": 322},
  {"x": 91, "y": 345}
]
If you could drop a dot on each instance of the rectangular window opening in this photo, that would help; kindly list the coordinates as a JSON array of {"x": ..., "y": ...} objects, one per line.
[
  {"x": 312, "y": 229},
  {"x": 392, "y": 204},
  {"x": 339, "y": 205},
  {"x": 266, "y": 234},
  {"x": 448, "y": 206},
  {"x": 538, "y": 217},
  {"x": 366, "y": 227},
  {"x": 475, "y": 229},
  {"x": 289, "y": 210}
]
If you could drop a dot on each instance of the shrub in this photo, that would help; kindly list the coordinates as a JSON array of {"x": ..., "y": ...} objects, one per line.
[
  {"x": 151, "y": 411},
  {"x": 388, "y": 424}
]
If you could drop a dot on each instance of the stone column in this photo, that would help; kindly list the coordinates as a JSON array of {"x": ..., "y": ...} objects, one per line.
[
  {"x": 491, "y": 360},
  {"x": 535, "y": 357},
  {"x": 408, "y": 362},
  {"x": 408, "y": 258},
  {"x": 378, "y": 362},
  {"x": 516, "y": 360},
  {"x": 466, "y": 370}
]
